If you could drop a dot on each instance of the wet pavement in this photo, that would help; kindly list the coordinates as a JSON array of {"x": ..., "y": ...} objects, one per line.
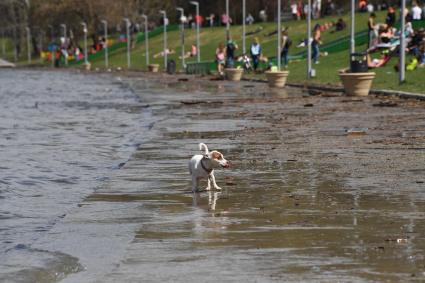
[{"x": 304, "y": 201}]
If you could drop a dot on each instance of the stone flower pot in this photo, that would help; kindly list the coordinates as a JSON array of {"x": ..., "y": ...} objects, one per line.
[
  {"x": 233, "y": 74},
  {"x": 153, "y": 68},
  {"x": 357, "y": 84},
  {"x": 277, "y": 78}
]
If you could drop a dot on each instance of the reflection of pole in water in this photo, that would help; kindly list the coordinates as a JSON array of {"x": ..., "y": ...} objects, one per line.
[
  {"x": 127, "y": 25},
  {"x": 28, "y": 44},
  {"x": 105, "y": 30},
  {"x": 3, "y": 41}
]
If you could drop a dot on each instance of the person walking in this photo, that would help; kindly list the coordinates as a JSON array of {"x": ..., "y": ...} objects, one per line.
[
  {"x": 231, "y": 47},
  {"x": 416, "y": 12},
  {"x": 316, "y": 43},
  {"x": 286, "y": 42},
  {"x": 371, "y": 29},
  {"x": 255, "y": 53},
  {"x": 220, "y": 57}
]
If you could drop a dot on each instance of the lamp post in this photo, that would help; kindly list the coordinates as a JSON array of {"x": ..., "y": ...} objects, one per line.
[
  {"x": 243, "y": 26},
  {"x": 279, "y": 34},
  {"x": 352, "y": 40},
  {"x": 65, "y": 43},
  {"x": 228, "y": 19},
  {"x": 164, "y": 14},
  {"x": 309, "y": 68},
  {"x": 198, "y": 19},
  {"x": 40, "y": 42},
  {"x": 105, "y": 30},
  {"x": 28, "y": 44},
  {"x": 146, "y": 39},
  {"x": 127, "y": 25},
  {"x": 181, "y": 10},
  {"x": 86, "y": 59},
  {"x": 402, "y": 43}
]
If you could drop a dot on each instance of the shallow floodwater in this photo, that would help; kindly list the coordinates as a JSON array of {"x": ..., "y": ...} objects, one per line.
[{"x": 95, "y": 188}]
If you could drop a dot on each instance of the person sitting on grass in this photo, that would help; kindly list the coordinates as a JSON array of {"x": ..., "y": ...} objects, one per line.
[
  {"x": 192, "y": 53},
  {"x": 376, "y": 63},
  {"x": 340, "y": 25},
  {"x": 162, "y": 53}
]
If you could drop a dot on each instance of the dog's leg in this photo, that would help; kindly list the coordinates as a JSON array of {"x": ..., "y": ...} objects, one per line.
[
  {"x": 194, "y": 184},
  {"x": 209, "y": 184},
  {"x": 215, "y": 186}
]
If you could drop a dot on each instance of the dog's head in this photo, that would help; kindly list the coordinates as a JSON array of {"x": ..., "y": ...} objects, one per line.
[{"x": 217, "y": 160}]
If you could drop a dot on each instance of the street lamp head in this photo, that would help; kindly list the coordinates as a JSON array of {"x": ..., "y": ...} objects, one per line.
[
  {"x": 104, "y": 22},
  {"x": 179, "y": 9},
  {"x": 163, "y": 12},
  {"x": 194, "y": 3},
  {"x": 144, "y": 16}
]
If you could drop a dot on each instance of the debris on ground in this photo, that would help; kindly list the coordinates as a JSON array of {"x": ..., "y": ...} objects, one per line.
[
  {"x": 357, "y": 131},
  {"x": 385, "y": 104}
]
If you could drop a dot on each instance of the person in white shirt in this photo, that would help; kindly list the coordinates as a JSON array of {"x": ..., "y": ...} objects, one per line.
[
  {"x": 294, "y": 11},
  {"x": 416, "y": 12}
]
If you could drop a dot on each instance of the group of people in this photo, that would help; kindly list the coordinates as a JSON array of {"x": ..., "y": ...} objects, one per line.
[
  {"x": 69, "y": 50},
  {"x": 385, "y": 38},
  {"x": 299, "y": 9},
  {"x": 225, "y": 55}
]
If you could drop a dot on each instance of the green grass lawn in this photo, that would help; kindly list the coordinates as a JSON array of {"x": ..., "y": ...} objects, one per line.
[{"x": 326, "y": 71}]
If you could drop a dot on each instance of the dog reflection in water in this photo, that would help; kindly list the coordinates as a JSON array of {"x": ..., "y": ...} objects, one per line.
[{"x": 212, "y": 199}]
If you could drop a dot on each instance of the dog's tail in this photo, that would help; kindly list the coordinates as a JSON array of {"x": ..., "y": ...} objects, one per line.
[{"x": 203, "y": 147}]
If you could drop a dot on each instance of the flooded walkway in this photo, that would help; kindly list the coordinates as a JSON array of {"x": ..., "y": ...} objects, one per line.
[{"x": 304, "y": 200}]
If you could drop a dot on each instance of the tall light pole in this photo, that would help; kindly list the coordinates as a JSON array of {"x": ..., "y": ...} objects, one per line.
[
  {"x": 279, "y": 34},
  {"x": 40, "y": 42},
  {"x": 309, "y": 68},
  {"x": 146, "y": 39},
  {"x": 243, "y": 26},
  {"x": 127, "y": 25},
  {"x": 164, "y": 14},
  {"x": 182, "y": 35},
  {"x": 66, "y": 43},
  {"x": 105, "y": 30},
  {"x": 198, "y": 20},
  {"x": 228, "y": 21},
  {"x": 353, "y": 22},
  {"x": 28, "y": 44},
  {"x": 86, "y": 59},
  {"x": 402, "y": 43}
]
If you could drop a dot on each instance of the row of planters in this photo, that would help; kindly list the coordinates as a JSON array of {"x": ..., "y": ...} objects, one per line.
[{"x": 357, "y": 81}]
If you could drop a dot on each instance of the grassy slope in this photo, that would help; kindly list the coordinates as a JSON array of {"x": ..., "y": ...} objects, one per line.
[{"x": 326, "y": 71}]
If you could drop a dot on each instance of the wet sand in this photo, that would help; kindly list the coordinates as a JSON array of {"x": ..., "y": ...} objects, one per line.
[{"x": 304, "y": 201}]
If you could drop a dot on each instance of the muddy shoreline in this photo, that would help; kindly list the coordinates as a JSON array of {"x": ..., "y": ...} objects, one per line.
[
  {"x": 304, "y": 201},
  {"x": 323, "y": 188}
]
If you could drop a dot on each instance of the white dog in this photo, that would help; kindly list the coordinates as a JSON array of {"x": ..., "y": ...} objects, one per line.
[{"x": 202, "y": 166}]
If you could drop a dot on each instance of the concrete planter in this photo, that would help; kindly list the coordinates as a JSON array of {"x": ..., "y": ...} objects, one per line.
[
  {"x": 277, "y": 79},
  {"x": 153, "y": 68},
  {"x": 233, "y": 74},
  {"x": 357, "y": 84}
]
